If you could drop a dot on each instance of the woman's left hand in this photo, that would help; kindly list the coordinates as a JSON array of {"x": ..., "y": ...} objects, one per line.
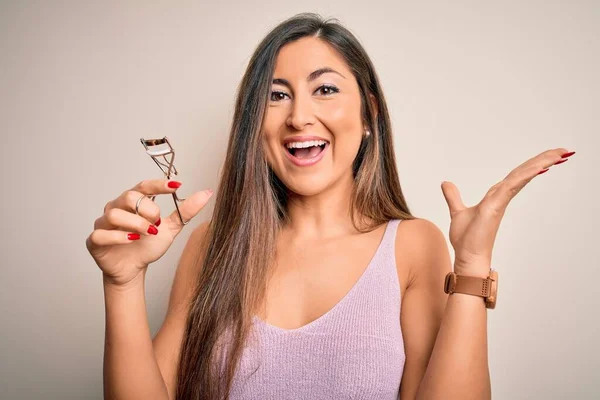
[{"x": 473, "y": 230}]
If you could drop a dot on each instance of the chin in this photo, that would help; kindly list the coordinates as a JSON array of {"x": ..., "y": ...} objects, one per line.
[{"x": 307, "y": 186}]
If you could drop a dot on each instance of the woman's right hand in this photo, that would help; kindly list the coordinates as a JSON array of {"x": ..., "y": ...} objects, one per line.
[{"x": 118, "y": 253}]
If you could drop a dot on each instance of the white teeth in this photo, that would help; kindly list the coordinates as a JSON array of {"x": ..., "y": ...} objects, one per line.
[{"x": 301, "y": 145}]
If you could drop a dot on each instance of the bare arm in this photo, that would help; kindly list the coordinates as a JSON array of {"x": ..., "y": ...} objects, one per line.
[
  {"x": 458, "y": 368},
  {"x": 130, "y": 368},
  {"x": 445, "y": 337},
  {"x": 135, "y": 365}
]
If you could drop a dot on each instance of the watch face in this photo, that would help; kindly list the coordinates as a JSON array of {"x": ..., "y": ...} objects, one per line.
[{"x": 491, "y": 300}]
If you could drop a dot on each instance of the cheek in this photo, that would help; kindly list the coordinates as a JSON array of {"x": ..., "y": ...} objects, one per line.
[
  {"x": 343, "y": 119},
  {"x": 269, "y": 149}
]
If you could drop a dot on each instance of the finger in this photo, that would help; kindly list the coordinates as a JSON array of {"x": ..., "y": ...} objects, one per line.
[
  {"x": 518, "y": 178},
  {"x": 117, "y": 218},
  {"x": 189, "y": 209},
  {"x": 128, "y": 199},
  {"x": 146, "y": 209},
  {"x": 551, "y": 157},
  {"x": 530, "y": 168},
  {"x": 157, "y": 186},
  {"x": 101, "y": 237},
  {"x": 453, "y": 198}
]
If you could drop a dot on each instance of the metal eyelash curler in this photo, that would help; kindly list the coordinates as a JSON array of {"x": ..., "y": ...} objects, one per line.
[{"x": 161, "y": 148}]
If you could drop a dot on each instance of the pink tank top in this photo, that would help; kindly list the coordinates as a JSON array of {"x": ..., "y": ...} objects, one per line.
[{"x": 354, "y": 351}]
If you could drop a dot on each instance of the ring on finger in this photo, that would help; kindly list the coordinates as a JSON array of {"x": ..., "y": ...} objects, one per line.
[{"x": 137, "y": 204}]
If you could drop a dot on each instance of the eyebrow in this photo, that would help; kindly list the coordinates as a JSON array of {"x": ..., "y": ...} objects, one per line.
[{"x": 313, "y": 75}]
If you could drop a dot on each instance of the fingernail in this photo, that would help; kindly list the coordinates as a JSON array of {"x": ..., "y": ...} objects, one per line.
[
  {"x": 133, "y": 236},
  {"x": 174, "y": 184},
  {"x": 542, "y": 171},
  {"x": 568, "y": 154},
  {"x": 152, "y": 230},
  {"x": 157, "y": 223},
  {"x": 209, "y": 191},
  {"x": 561, "y": 161}
]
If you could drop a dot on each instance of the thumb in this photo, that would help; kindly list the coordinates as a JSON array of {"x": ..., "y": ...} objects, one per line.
[
  {"x": 189, "y": 208},
  {"x": 452, "y": 196}
]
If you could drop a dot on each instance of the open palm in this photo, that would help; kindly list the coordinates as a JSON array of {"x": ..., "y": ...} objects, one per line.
[{"x": 473, "y": 229}]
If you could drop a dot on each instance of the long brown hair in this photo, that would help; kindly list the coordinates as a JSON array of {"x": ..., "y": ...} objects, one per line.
[{"x": 250, "y": 208}]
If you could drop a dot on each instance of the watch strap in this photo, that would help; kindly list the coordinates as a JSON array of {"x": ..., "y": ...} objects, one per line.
[{"x": 467, "y": 284}]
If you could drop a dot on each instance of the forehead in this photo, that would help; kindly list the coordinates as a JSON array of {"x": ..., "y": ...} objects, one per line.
[{"x": 305, "y": 55}]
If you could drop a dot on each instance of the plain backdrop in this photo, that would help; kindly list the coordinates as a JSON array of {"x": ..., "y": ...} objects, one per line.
[{"x": 474, "y": 89}]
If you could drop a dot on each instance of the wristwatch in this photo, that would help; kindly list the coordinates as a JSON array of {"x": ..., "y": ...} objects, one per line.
[{"x": 473, "y": 285}]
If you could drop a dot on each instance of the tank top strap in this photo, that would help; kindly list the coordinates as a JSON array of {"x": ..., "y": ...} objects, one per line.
[
  {"x": 385, "y": 272},
  {"x": 389, "y": 239}
]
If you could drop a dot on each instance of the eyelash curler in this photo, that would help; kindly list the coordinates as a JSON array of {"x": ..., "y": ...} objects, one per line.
[{"x": 156, "y": 148}]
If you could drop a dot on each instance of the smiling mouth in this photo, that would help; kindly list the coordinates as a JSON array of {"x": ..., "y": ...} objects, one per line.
[{"x": 306, "y": 152}]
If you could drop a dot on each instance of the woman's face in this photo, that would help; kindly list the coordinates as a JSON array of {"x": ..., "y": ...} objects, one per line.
[{"x": 315, "y": 108}]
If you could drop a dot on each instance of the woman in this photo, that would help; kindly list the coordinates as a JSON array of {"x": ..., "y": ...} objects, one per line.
[{"x": 312, "y": 279}]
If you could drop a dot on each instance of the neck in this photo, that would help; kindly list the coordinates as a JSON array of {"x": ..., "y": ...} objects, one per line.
[{"x": 326, "y": 214}]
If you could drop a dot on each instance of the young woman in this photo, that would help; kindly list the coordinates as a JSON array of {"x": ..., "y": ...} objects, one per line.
[{"x": 312, "y": 280}]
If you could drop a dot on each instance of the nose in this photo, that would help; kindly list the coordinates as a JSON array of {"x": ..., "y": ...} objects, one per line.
[{"x": 301, "y": 113}]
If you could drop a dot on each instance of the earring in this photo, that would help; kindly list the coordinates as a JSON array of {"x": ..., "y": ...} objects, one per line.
[{"x": 367, "y": 133}]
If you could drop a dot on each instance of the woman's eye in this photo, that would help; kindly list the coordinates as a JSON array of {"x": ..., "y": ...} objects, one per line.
[
  {"x": 327, "y": 90},
  {"x": 277, "y": 96}
]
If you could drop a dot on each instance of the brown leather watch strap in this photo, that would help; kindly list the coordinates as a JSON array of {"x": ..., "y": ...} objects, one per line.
[{"x": 467, "y": 284}]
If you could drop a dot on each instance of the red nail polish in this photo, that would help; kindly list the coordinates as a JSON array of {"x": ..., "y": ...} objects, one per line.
[
  {"x": 561, "y": 161},
  {"x": 568, "y": 154},
  {"x": 174, "y": 184},
  {"x": 133, "y": 236},
  {"x": 542, "y": 171},
  {"x": 152, "y": 230},
  {"x": 157, "y": 223}
]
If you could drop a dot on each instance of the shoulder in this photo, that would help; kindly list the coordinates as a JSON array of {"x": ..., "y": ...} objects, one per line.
[
  {"x": 192, "y": 249},
  {"x": 421, "y": 248},
  {"x": 423, "y": 257},
  {"x": 195, "y": 243},
  {"x": 198, "y": 234},
  {"x": 189, "y": 265},
  {"x": 170, "y": 335}
]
